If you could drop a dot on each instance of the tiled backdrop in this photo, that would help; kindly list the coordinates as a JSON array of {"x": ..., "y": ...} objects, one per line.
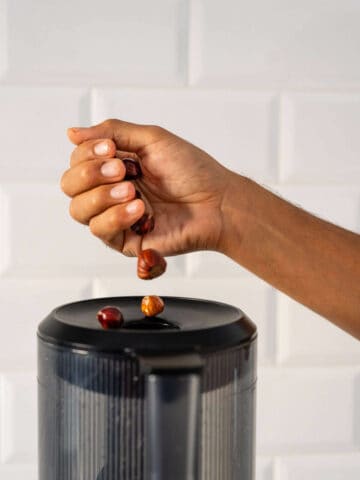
[{"x": 271, "y": 89}]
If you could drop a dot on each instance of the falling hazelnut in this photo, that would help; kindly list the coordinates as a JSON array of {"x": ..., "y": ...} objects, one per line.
[
  {"x": 150, "y": 264},
  {"x": 110, "y": 317},
  {"x": 151, "y": 305}
]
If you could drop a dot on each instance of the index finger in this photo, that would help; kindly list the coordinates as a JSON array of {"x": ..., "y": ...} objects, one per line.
[
  {"x": 93, "y": 149},
  {"x": 128, "y": 136}
]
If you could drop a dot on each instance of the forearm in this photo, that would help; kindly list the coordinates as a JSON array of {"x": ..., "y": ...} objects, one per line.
[{"x": 313, "y": 261}]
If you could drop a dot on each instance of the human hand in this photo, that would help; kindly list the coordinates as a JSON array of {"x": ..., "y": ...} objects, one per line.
[{"x": 184, "y": 185}]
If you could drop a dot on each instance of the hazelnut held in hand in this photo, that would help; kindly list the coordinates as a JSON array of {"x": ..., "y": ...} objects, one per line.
[
  {"x": 152, "y": 305},
  {"x": 150, "y": 264}
]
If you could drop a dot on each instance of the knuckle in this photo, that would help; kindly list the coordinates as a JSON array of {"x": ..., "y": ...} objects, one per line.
[
  {"x": 113, "y": 222},
  {"x": 87, "y": 174},
  {"x": 73, "y": 210},
  {"x": 77, "y": 213},
  {"x": 94, "y": 228},
  {"x": 63, "y": 183},
  {"x": 73, "y": 156},
  {"x": 155, "y": 130},
  {"x": 96, "y": 200},
  {"x": 110, "y": 122}
]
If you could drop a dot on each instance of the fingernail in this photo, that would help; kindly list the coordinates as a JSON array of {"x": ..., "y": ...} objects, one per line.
[
  {"x": 101, "y": 148},
  {"x": 132, "y": 207},
  {"x": 111, "y": 169},
  {"x": 120, "y": 191}
]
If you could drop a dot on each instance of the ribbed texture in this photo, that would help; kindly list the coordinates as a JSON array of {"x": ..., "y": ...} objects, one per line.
[
  {"x": 92, "y": 416},
  {"x": 228, "y": 418}
]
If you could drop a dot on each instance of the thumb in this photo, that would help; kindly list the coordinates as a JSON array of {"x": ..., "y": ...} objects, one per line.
[{"x": 129, "y": 137}]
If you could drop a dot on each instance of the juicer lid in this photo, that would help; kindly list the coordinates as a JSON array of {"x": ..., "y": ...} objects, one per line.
[{"x": 185, "y": 325}]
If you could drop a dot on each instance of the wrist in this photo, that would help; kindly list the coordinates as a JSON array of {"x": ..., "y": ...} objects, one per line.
[{"x": 236, "y": 213}]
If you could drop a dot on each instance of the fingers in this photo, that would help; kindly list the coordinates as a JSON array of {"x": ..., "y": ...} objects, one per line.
[
  {"x": 110, "y": 225},
  {"x": 104, "y": 148},
  {"x": 90, "y": 174},
  {"x": 94, "y": 202},
  {"x": 128, "y": 136}
]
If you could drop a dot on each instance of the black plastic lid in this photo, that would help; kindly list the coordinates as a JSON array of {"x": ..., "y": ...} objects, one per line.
[{"x": 185, "y": 325}]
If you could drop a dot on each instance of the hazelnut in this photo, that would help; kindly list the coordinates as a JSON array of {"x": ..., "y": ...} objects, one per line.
[
  {"x": 110, "y": 317},
  {"x": 152, "y": 305},
  {"x": 150, "y": 264},
  {"x": 133, "y": 169},
  {"x": 144, "y": 225}
]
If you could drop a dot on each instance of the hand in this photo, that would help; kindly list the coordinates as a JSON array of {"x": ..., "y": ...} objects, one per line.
[{"x": 184, "y": 185}]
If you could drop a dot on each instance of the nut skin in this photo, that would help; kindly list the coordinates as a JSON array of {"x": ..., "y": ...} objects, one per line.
[
  {"x": 144, "y": 225},
  {"x": 110, "y": 317},
  {"x": 150, "y": 264},
  {"x": 133, "y": 169},
  {"x": 152, "y": 305}
]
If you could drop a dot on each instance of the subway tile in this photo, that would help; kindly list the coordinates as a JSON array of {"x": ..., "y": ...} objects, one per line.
[
  {"x": 320, "y": 467},
  {"x": 120, "y": 43},
  {"x": 251, "y": 295},
  {"x": 4, "y": 229},
  {"x": 19, "y": 425},
  {"x": 48, "y": 242},
  {"x": 281, "y": 43},
  {"x": 337, "y": 204},
  {"x": 18, "y": 472},
  {"x": 3, "y": 38},
  {"x": 320, "y": 140},
  {"x": 2, "y": 416},
  {"x": 212, "y": 264},
  {"x": 307, "y": 410},
  {"x": 25, "y": 302},
  {"x": 35, "y": 146},
  {"x": 306, "y": 338},
  {"x": 237, "y": 128},
  {"x": 264, "y": 468}
]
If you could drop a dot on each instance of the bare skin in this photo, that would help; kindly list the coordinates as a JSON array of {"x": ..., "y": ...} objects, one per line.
[{"x": 200, "y": 205}]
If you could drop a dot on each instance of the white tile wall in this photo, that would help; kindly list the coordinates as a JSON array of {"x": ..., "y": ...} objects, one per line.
[
  {"x": 305, "y": 338},
  {"x": 235, "y": 127},
  {"x": 20, "y": 318},
  {"x": 3, "y": 38},
  {"x": 320, "y": 467},
  {"x": 307, "y": 409},
  {"x": 271, "y": 89},
  {"x": 4, "y": 247},
  {"x": 35, "y": 119},
  {"x": 133, "y": 42},
  {"x": 258, "y": 43},
  {"x": 320, "y": 138},
  {"x": 336, "y": 204},
  {"x": 18, "y": 472},
  {"x": 264, "y": 468}
]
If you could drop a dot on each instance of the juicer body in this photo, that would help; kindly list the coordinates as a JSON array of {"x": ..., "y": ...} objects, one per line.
[{"x": 146, "y": 415}]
